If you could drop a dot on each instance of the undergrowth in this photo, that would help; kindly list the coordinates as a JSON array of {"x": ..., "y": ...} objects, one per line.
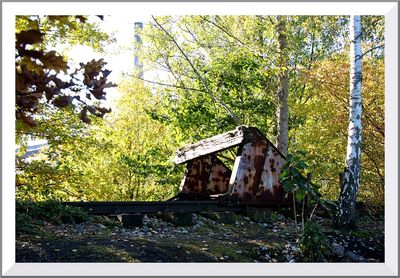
[{"x": 31, "y": 215}]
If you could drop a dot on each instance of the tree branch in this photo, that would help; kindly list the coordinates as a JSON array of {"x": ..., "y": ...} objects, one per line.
[
  {"x": 372, "y": 48},
  {"x": 167, "y": 85},
  {"x": 262, "y": 55},
  {"x": 208, "y": 91},
  {"x": 378, "y": 170}
]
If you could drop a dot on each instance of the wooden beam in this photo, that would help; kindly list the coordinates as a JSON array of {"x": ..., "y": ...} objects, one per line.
[
  {"x": 240, "y": 135},
  {"x": 210, "y": 145}
]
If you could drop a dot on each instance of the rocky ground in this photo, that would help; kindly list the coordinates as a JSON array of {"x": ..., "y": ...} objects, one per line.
[{"x": 103, "y": 239}]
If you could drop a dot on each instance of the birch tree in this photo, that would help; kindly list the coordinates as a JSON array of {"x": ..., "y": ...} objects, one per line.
[{"x": 348, "y": 195}]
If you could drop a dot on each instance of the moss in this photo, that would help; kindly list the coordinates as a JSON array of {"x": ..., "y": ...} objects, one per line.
[
  {"x": 106, "y": 221},
  {"x": 108, "y": 252},
  {"x": 361, "y": 234},
  {"x": 246, "y": 252}
]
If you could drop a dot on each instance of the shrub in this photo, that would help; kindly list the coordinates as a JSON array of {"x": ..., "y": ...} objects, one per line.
[
  {"x": 51, "y": 211},
  {"x": 25, "y": 224},
  {"x": 313, "y": 243}
]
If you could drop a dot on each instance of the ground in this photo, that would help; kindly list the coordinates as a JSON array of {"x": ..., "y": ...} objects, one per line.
[{"x": 104, "y": 239}]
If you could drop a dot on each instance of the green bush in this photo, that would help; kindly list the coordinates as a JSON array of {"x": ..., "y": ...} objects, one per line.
[
  {"x": 50, "y": 211},
  {"x": 293, "y": 179},
  {"x": 274, "y": 216},
  {"x": 313, "y": 243},
  {"x": 25, "y": 224}
]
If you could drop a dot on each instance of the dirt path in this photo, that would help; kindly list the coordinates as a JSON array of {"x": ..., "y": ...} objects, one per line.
[{"x": 105, "y": 240}]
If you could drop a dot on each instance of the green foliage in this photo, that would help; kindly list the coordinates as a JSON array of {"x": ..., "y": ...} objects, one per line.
[
  {"x": 323, "y": 131},
  {"x": 274, "y": 216},
  {"x": 313, "y": 243},
  {"x": 129, "y": 155},
  {"x": 293, "y": 180},
  {"x": 30, "y": 215},
  {"x": 126, "y": 156},
  {"x": 234, "y": 75},
  {"x": 142, "y": 148},
  {"x": 51, "y": 211},
  {"x": 46, "y": 176},
  {"x": 25, "y": 224},
  {"x": 64, "y": 29}
]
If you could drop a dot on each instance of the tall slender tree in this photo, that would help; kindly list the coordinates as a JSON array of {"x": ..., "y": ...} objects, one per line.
[
  {"x": 282, "y": 111},
  {"x": 348, "y": 195}
]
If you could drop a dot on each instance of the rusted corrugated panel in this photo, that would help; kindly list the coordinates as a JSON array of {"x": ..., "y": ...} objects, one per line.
[
  {"x": 252, "y": 134},
  {"x": 269, "y": 187},
  {"x": 219, "y": 177},
  {"x": 197, "y": 174},
  {"x": 249, "y": 170}
]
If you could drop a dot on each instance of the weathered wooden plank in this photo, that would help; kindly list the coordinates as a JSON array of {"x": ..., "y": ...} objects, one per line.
[
  {"x": 210, "y": 145},
  {"x": 240, "y": 135}
]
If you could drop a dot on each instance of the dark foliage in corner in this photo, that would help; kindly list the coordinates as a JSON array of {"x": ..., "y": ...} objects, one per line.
[{"x": 44, "y": 74}]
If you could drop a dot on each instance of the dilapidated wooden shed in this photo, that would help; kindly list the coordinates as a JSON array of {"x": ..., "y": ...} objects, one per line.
[{"x": 255, "y": 173}]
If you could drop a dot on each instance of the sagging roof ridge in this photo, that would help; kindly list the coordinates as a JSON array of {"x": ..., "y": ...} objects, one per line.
[{"x": 227, "y": 140}]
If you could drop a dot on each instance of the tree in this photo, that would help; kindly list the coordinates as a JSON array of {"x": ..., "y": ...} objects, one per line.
[
  {"x": 47, "y": 174},
  {"x": 125, "y": 156},
  {"x": 42, "y": 74},
  {"x": 46, "y": 82},
  {"x": 282, "y": 138},
  {"x": 322, "y": 132},
  {"x": 232, "y": 61},
  {"x": 142, "y": 148},
  {"x": 244, "y": 61},
  {"x": 322, "y": 115},
  {"x": 348, "y": 194}
]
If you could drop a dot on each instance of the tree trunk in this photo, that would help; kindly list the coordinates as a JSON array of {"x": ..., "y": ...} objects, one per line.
[
  {"x": 282, "y": 94},
  {"x": 351, "y": 178}
]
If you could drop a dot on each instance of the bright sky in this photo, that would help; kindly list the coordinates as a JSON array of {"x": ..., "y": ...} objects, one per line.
[{"x": 119, "y": 55}]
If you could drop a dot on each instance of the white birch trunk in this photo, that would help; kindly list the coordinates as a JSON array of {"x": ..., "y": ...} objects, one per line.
[
  {"x": 348, "y": 195},
  {"x": 282, "y": 112}
]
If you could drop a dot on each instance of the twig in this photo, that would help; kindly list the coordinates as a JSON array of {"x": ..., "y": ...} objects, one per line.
[
  {"x": 262, "y": 55},
  {"x": 295, "y": 214},
  {"x": 302, "y": 216},
  {"x": 371, "y": 49},
  {"x": 229, "y": 111},
  {"x": 167, "y": 85},
  {"x": 312, "y": 213}
]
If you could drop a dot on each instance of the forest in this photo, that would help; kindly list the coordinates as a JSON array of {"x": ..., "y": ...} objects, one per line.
[{"x": 312, "y": 85}]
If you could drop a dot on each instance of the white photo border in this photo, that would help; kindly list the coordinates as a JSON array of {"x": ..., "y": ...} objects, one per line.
[{"x": 390, "y": 267}]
